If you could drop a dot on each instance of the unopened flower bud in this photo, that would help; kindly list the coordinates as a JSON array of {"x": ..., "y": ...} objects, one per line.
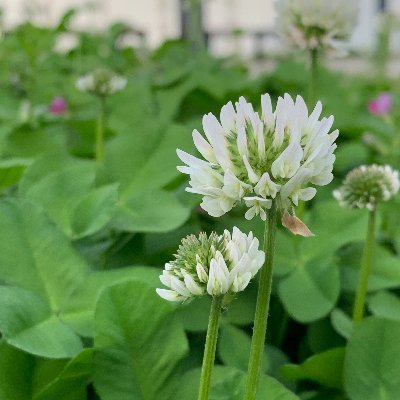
[{"x": 215, "y": 264}]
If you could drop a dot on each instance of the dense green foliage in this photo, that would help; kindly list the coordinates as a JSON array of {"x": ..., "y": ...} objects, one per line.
[{"x": 83, "y": 244}]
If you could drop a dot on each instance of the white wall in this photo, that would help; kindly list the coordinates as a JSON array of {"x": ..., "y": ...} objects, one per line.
[{"x": 160, "y": 19}]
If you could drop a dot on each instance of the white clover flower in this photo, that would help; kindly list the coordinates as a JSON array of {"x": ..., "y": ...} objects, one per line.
[
  {"x": 311, "y": 24},
  {"x": 102, "y": 82},
  {"x": 368, "y": 185},
  {"x": 255, "y": 159},
  {"x": 214, "y": 265}
]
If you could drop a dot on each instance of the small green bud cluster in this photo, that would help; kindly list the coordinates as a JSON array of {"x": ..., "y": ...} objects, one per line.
[{"x": 214, "y": 264}]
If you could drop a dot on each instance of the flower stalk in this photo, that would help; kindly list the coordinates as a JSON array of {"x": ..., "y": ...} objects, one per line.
[
  {"x": 313, "y": 79},
  {"x": 262, "y": 307},
  {"x": 366, "y": 264},
  {"x": 101, "y": 123},
  {"x": 210, "y": 347}
]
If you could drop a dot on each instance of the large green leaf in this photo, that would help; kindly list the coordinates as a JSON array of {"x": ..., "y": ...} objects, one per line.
[
  {"x": 333, "y": 227},
  {"x": 325, "y": 368},
  {"x": 311, "y": 291},
  {"x": 27, "y": 323},
  {"x": 386, "y": 305},
  {"x": 153, "y": 211},
  {"x": 342, "y": 323},
  {"x": 138, "y": 343},
  {"x": 94, "y": 211},
  {"x": 146, "y": 159},
  {"x": 79, "y": 312},
  {"x": 372, "y": 368},
  {"x": 16, "y": 373},
  {"x": 36, "y": 255},
  {"x": 11, "y": 171},
  {"x": 234, "y": 348},
  {"x": 71, "y": 383},
  {"x": 385, "y": 273},
  {"x": 67, "y": 192}
]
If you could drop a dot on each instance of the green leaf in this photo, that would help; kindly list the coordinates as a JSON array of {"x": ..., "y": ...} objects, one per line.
[
  {"x": 16, "y": 372},
  {"x": 11, "y": 171},
  {"x": 27, "y": 323},
  {"x": 71, "y": 383},
  {"x": 194, "y": 314},
  {"x": 60, "y": 191},
  {"x": 350, "y": 155},
  {"x": 385, "y": 272},
  {"x": 324, "y": 368},
  {"x": 234, "y": 348},
  {"x": 146, "y": 159},
  {"x": 311, "y": 291},
  {"x": 386, "y": 305},
  {"x": 342, "y": 323},
  {"x": 154, "y": 211},
  {"x": 36, "y": 255},
  {"x": 286, "y": 253},
  {"x": 79, "y": 312},
  {"x": 242, "y": 309},
  {"x": 94, "y": 211},
  {"x": 228, "y": 384},
  {"x": 138, "y": 343},
  {"x": 321, "y": 336},
  {"x": 349, "y": 225},
  {"x": 372, "y": 368}
]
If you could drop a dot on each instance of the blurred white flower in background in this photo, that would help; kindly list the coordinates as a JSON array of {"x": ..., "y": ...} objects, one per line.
[
  {"x": 312, "y": 24},
  {"x": 66, "y": 42},
  {"x": 214, "y": 265},
  {"x": 278, "y": 155},
  {"x": 368, "y": 185},
  {"x": 101, "y": 82}
]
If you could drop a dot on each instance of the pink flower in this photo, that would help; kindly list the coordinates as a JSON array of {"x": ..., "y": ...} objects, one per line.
[
  {"x": 58, "y": 105},
  {"x": 381, "y": 105}
]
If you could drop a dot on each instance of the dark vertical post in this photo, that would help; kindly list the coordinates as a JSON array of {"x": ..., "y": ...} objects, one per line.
[{"x": 192, "y": 24}]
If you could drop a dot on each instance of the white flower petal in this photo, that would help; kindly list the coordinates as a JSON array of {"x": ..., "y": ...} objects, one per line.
[
  {"x": 203, "y": 147},
  {"x": 170, "y": 295},
  {"x": 253, "y": 177},
  {"x": 288, "y": 163}
]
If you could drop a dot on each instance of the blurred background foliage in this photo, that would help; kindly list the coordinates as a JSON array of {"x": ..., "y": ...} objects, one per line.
[{"x": 83, "y": 244}]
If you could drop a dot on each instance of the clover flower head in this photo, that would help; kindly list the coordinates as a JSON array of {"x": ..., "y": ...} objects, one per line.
[
  {"x": 381, "y": 105},
  {"x": 101, "y": 82},
  {"x": 312, "y": 24},
  {"x": 255, "y": 158},
  {"x": 214, "y": 265},
  {"x": 368, "y": 185},
  {"x": 58, "y": 105}
]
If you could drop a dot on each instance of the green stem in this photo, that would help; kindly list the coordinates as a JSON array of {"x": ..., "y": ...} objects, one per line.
[
  {"x": 366, "y": 263},
  {"x": 262, "y": 307},
  {"x": 210, "y": 347},
  {"x": 313, "y": 80},
  {"x": 101, "y": 122}
]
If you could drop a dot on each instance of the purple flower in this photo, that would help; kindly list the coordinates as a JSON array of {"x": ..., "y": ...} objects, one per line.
[
  {"x": 381, "y": 105},
  {"x": 58, "y": 105}
]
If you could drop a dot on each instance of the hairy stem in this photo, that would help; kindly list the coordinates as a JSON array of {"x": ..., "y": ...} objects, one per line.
[
  {"x": 210, "y": 347},
  {"x": 101, "y": 122},
  {"x": 262, "y": 307},
  {"x": 366, "y": 264}
]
